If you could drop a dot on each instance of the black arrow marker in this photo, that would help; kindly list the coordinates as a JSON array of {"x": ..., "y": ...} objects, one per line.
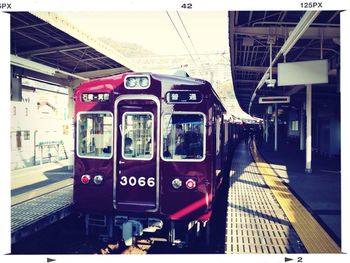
[
  {"x": 287, "y": 259},
  {"x": 50, "y": 260}
]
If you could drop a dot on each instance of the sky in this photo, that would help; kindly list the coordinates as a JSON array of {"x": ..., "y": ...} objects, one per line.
[
  {"x": 155, "y": 31},
  {"x": 203, "y": 33}
]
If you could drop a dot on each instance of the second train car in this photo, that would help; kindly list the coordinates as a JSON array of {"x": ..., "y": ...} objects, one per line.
[{"x": 149, "y": 154}]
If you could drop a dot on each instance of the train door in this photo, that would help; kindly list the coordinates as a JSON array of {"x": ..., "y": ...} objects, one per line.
[{"x": 137, "y": 155}]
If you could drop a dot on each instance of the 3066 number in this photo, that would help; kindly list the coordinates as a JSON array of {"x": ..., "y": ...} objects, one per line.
[{"x": 141, "y": 181}]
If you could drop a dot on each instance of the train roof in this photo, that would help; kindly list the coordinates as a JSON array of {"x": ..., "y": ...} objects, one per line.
[{"x": 116, "y": 80}]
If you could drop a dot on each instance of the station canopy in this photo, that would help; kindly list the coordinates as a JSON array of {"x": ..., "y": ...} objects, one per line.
[
  {"x": 41, "y": 38},
  {"x": 250, "y": 33}
]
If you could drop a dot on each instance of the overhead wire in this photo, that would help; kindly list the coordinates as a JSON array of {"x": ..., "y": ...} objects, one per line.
[
  {"x": 198, "y": 68},
  {"x": 188, "y": 35},
  {"x": 193, "y": 46},
  {"x": 183, "y": 42}
]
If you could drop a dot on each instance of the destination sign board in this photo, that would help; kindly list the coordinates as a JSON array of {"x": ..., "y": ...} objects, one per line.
[
  {"x": 183, "y": 96},
  {"x": 95, "y": 97},
  {"x": 274, "y": 99}
]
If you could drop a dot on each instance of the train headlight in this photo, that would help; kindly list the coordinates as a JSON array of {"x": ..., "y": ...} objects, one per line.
[
  {"x": 190, "y": 184},
  {"x": 85, "y": 179},
  {"x": 130, "y": 82},
  {"x": 176, "y": 183},
  {"x": 144, "y": 82},
  {"x": 98, "y": 179},
  {"x": 137, "y": 82}
]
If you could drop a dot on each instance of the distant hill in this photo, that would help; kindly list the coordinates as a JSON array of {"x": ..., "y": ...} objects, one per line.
[{"x": 129, "y": 50}]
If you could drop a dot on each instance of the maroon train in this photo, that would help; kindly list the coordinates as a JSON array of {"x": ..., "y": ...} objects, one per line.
[{"x": 149, "y": 154}]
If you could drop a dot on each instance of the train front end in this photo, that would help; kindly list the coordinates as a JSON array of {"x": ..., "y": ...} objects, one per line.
[{"x": 145, "y": 158}]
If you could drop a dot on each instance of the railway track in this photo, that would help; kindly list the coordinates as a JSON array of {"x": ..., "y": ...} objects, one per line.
[{"x": 68, "y": 237}]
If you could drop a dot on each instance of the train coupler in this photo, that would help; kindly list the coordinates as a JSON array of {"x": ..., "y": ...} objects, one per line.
[
  {"x": 131, "y": 229},
  {"x": 134, "y": 227}
]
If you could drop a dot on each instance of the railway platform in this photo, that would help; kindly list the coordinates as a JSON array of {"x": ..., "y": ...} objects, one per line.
[
  {"x": 267, "y": 214},
  {"x": 322, "y": 199},
  {"x": 40, "y": 196}
]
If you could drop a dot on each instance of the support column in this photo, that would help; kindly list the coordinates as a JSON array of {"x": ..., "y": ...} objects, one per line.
[
  {"x": 302, "y": 129},
  {"x": 265, "y": 128},
  {"x": 16, "y": 87},
  {"x": 41, "y": 154},
  {"x": 268, "y": 112},
  {"x": 276, "y": 126},
  {"x": 308, "y": 129}
]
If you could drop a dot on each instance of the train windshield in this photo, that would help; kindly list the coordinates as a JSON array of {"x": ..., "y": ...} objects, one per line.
[
  {"x": 183, "y": 136},
  {"x": 94, "y": 130},
  {"x": 137, "y": 142}
]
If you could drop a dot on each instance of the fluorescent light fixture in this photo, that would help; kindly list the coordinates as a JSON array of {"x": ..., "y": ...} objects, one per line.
[
  {"x": 37, "y": 67},
  {"x": 299, "y": 30},
  {"x": 31, "y": 65}
]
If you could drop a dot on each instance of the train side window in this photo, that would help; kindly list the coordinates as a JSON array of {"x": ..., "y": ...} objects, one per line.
[
  {"x": 94, "y": 135},
  {"x": 137, "y": 141},
  {"x": 183, "y": 137}
]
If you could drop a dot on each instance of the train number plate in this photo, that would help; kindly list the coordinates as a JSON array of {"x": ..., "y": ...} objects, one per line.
[{"x": 141, "y": 181}]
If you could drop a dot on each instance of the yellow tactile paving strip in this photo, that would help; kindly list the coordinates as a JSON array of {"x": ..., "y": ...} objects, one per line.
[
  {"x": 313, "y": 236},
  {"x": 255, "y": 221}
]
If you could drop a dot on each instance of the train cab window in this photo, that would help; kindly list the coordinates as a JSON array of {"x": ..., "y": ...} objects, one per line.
[
  {"x": 94, "y": 132},
  {"x": 183, "y": 136},
  {"x": 137, "y": 141}
]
